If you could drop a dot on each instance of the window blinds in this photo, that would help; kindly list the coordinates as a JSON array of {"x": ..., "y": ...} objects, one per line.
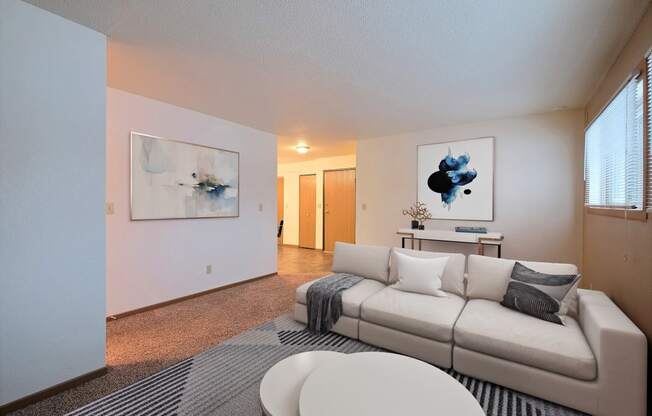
[
  {"x": 614, "y": 156},
  {"x": 649, "y": 132}
]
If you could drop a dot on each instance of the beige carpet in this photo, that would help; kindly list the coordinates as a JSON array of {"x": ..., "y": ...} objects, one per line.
[{"x": 142, "y": 344}]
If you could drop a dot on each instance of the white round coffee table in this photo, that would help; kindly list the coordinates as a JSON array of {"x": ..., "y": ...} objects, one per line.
[
  {"x": 376, "y": 383},
  {"x": 281, "y": 385}
]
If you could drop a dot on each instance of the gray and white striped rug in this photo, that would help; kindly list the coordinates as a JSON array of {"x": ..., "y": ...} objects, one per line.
[{"x": 225, "y": 379}]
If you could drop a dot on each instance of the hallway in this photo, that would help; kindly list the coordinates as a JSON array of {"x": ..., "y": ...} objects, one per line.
[{"x": 295, "y": 260}]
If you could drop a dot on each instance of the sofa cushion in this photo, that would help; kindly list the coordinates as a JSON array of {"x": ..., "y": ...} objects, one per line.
[
  {"x": 423, "y": 315},
  {"x": 453, "y": 278},
  {"x": 488, "y": 278},
  {"x": 487, "y": 327},
  {"x": 351, "y": 298},
  {"x": 538, "y": 294},
  {"x": 371, "y": 262},
  {"x": 420, "y": 275}
]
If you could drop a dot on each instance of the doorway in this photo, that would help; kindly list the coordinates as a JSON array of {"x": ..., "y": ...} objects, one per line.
[
  {"x": 307, "y": 210},
  {"x": 280, "y": 209},
  {"x": 339, "y": 207}
]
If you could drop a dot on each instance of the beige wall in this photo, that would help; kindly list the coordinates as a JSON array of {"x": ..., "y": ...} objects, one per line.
[
  {"x": 290, "y": 172},
  {"x": 538, "y": 185},
  {"x": 633, "y": 52},
  {"x": 618, "y": 252}
]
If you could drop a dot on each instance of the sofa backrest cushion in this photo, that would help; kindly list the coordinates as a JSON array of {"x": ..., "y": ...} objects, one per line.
[
  {"x": 488, "y": 278},
  {"x": 371, "y": 262},
  {"x": 453, "y": 277}
]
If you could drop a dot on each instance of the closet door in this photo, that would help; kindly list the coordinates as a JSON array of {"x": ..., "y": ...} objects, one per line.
[
  {"x": 339, "y": 207},
  {"x": 307, "y": 210}
]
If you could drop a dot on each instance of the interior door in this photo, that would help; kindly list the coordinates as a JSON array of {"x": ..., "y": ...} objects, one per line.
[
  {"x": 280, "y": 190},
  {"x": 307, "y": 210},
  {"x": 339, "y": 207}
]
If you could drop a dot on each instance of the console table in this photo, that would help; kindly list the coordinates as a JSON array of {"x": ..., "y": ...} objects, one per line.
[{"x": 479, "y": 239}]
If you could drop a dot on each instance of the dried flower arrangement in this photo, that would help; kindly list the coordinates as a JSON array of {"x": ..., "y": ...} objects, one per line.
[{"x": 418, "y": 212}]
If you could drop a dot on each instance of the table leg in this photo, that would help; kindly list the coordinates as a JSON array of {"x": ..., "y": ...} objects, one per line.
[
  {"x": 420, "y": 245},
  {"x": 499, "y": 250},
  {"x": 402, "y": 242},
  {"x": 480, "y": 249}
]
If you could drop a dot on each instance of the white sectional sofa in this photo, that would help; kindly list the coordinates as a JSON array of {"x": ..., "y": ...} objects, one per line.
[{"x": 596, "y": 362}]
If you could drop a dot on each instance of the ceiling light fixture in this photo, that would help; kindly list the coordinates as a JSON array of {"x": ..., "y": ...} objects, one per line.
[{"x": 302, "y": 148}]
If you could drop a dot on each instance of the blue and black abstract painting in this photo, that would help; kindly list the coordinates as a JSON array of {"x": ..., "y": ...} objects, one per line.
[
  {"x": 208, "y": 184},
  {"x": 452, "y": 175}
]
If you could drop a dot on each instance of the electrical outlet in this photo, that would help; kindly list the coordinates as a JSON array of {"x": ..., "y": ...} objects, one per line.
[
  {"x": 260, "y": 207},
  {"x": 364, "y": 207},
  {"x": 209, "y": 269},
  {"x": 109, "y": 208}
]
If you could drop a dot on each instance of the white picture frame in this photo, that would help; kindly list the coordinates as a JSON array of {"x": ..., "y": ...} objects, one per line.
[{"x": 440, "y": 189}]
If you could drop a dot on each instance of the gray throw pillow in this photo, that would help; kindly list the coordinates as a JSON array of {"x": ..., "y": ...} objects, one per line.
[{"x": 537, "y": 294}]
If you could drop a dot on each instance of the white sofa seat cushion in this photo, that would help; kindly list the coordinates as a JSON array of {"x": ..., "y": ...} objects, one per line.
[
  {"x": 490, "y": 328},
  {"x": 423, "y": 315},
  {"x": 351, "y": 298},
  {"x": 453, "y": 278}
]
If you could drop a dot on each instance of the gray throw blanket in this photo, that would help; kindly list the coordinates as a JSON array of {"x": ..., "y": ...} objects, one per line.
[{"x": 324, "y": 300}]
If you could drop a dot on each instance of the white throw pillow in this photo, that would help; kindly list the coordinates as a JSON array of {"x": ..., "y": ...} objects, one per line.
[
  {"x": 420, "y": 275},
  {"x": 452, "y": 281}
]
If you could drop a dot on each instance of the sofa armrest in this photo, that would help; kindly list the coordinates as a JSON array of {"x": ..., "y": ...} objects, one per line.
[{"x": 620, "y": 349}]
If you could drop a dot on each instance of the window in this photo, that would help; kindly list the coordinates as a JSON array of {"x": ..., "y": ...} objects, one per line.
[
  {"x": 649, "y": 133},
  {"x": 615, "y": 152}
]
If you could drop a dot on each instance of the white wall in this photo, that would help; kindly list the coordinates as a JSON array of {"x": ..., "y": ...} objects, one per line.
[
  {"x": 290, "y": 173},
  {"x": 52, "y": 175},
  {"x": 538, "y": 185},
  {"x": 154, "y": 261}
]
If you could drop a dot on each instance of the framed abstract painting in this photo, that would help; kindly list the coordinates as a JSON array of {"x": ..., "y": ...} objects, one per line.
[
  {"x": 171, "y": 179},
  {"x": 456, "y": 179}
]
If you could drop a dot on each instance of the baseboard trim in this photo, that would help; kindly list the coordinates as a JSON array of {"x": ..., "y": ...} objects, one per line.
[
  {"x": 51, "y": 391},
  {"x": 187, "y": 297}
]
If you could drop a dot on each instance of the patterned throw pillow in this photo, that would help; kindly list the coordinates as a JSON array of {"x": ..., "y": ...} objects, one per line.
[{"x": 537, "y": 294}]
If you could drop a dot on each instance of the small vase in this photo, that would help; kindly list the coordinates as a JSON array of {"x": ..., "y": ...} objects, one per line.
[
  {"x": 415, "y": 224},
  {"x": 422, "y": 227}
]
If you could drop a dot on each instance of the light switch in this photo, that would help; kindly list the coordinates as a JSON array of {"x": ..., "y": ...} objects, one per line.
[
  {"x": 109, "y": 209},
  {"x": 209, "y": 269},
  {"x": 364, "y": 207},
  {"x": 260, "y": 207}
]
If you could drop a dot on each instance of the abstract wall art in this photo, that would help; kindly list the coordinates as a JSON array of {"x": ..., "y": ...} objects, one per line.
[
  {"x": 172, "y": 179},
  {"x": 455, "y": 179}
]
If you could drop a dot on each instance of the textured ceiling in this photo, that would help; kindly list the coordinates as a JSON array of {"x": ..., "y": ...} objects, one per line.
[{"x": 334, "y": 71}]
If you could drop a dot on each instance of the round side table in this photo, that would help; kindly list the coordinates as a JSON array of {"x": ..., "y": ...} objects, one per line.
[
  {"x": 281, "y": 385},
  {"x": 384, "y": 384}
]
